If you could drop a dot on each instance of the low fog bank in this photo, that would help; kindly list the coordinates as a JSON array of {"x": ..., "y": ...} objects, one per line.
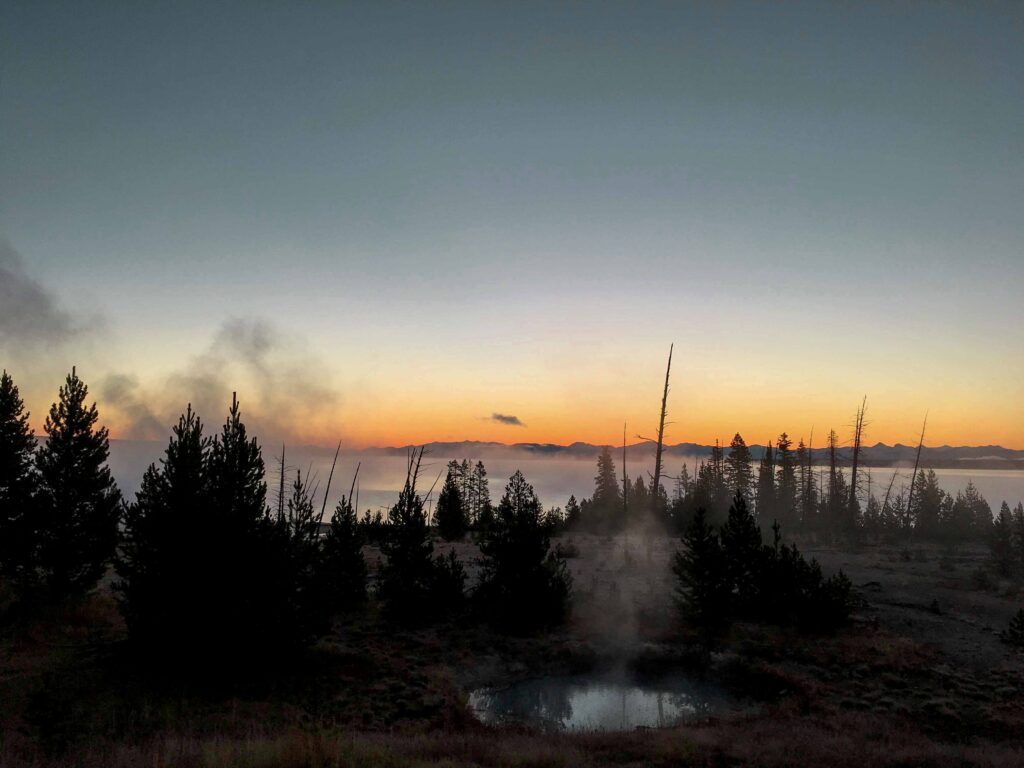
[{"x": 555, "y": 479}]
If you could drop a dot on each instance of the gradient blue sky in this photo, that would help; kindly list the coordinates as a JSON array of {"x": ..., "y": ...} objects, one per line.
[{"x": 455, "y": 209}]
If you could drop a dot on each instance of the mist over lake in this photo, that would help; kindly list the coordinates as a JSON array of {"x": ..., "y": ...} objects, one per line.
[{"x": 554, "y": 479}]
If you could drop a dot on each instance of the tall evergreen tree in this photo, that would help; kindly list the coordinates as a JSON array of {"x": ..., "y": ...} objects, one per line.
[
  {"x": 163, "y": 556},
  {"x": 451, "y": 512},
  {"x": 702, "y": 585},
  {"x": 524, "y": 584},
  {"x": 765, "y": 492},
  {"x": 606, "y": 503},
  {"x": 738, "y": 470},
  {"x": 79, "y": 504},
  {"x": 407, "y": 575},
  {"x": 572, "y": 512},
  {"x": 927, "y": 504},
  {"x": 343, "y": 568},
  {"x": 17, "y": 482},
  {"x": 482, "y": 509},
  {"x": 1018, "y": 533},
  {"x": 1003, "y": 556},
  {"x": 786, "y": 487},
  {"x": 742, "y": 551}
]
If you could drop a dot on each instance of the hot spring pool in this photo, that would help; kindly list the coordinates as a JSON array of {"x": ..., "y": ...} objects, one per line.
[{"x": 595, "y": 703}]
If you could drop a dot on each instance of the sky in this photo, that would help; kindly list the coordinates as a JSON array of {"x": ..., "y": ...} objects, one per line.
[{"x": 394, "y": 223}]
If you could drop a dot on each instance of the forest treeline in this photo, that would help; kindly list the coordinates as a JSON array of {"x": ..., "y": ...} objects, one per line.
[
  {"x": 823, "y": 503},
  {"x": 206, "y": 570},
  {"x": 206, "y": 567}
]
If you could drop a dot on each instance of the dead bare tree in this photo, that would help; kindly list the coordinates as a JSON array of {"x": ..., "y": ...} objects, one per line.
[
  {"x": 280, "y": 489},
  {"x": 625, "y": 479},
  {"x": 917, "y": 464},
  {"x": 858, "y": 433},
  {"x": 656, "y": 490},
  {"x": 327, "y": 490}
]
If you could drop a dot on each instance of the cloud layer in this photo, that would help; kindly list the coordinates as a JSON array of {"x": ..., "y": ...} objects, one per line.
[{"x": 507, "y": 420}]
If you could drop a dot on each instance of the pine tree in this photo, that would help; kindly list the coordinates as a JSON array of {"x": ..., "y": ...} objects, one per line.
[
  {"x": 482, "y": 509},
  {"x": 606, "y": 503},
  {"x": 79, "y": 504},
  {"x": 17, "y": 482},
  {"x": 1001, "y": 542},
  {"x": 702, "y": 589},
  {"x": 343, "y": 568},
  {"x": 927, "y": 505},
  {"x": 639, "y": 500},
  {"x": 523, "y": 583},
  {"x": 785, "y": 489},
  {"x": 742, "y": 549},
  {"x": 407, "y": 575},
  {"x": 738, "y": 471},
  {"x": 451, "y": 513},
  {"x": 572, "y": 512},
  {"x": 163, "y": 558},
  {"x": 765, "y": 506},
  {"x": 1018, "y": 533},
  {"x": 979, "y": 511}
]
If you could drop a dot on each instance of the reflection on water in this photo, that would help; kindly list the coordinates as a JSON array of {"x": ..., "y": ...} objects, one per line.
[{"x": 585, "y": 703}]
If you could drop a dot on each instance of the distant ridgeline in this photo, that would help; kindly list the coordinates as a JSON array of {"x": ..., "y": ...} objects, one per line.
[{"x": 878, "y": 455}]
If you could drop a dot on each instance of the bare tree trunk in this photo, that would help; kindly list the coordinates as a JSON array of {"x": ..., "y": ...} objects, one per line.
[
  {"x": 280, "y": 489},
  {"x": 858, "y": 432},
  {"x": 661, "y": 432},
  {"x": 917, "y": 463},
  {"x": 625, "y": 480},
  {"x": 327, "y": 490}
]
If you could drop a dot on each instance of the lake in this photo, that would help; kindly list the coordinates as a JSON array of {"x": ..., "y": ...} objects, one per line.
[{"x": 554, "y": 479}]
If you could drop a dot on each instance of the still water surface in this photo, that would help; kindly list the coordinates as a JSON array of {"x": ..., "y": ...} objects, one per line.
[{"x": 588, "y": 703}]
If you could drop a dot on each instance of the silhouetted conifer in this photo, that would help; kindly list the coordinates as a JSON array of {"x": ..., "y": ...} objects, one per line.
[
  {"x": 407, "y": 575},
  {"x": 343, "y": 569},
  {"x": 785, "y": 487},
  {"x": 605, "y": 508},
  {"x": 413, "y": 584},
  {"x": 702, "y": 585},
  {"x": 17, "y": 483},
  {"x": 78, "y": 504},
  {"x": 207, "y": 574},
  {"x": 927, "y": 505},
  {"x": 164, "y": 550},
  {"x": 523, "y": 583},
  {"x": 572, "y": 513},
  {"x": 765, "y": 490},
  {"x": 742, "y": 549},
  {"x": 1003, "y": 555},
  {"x": 451, "y": 515},
  {"x": 739, "y": 475}
]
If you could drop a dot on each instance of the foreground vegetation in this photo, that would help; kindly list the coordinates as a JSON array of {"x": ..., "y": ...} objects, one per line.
[{"x": 200, "y": 625}]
